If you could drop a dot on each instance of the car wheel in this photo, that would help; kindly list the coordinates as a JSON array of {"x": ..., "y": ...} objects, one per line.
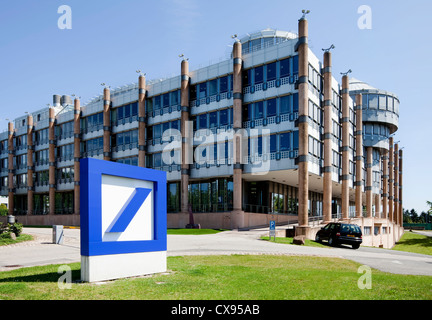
[
  {"x": 355, "y": 246},
  {"x": 317, "y": 238}
]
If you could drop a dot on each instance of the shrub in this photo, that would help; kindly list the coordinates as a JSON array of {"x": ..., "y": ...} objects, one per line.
[
  {"x": 8, "y": 228},
  {"x": 16, "y": 228},
  {"x": 6, "y": 235},
  {"x": 3, "y": 210}
]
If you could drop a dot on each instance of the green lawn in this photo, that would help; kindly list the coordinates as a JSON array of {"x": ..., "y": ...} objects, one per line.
[
  {"x": 21, "y": 238},
  {"x": 414, "y": 242},
  {"x": 194, "y": 231},
  {"x": 235, "y": 277}
]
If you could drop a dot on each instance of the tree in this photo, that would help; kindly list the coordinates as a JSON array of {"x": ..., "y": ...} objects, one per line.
[
  {"x": 413, "y": 216},
  {"x": 429, "y": 212},
  {"x": 406, "y": 216}
]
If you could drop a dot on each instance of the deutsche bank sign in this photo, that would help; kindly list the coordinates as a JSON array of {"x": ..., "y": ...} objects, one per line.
[{"x": 123, "y": 220}]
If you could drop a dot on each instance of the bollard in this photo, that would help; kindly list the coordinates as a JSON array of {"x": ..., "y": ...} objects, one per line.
[
  {"x": 11, "y": 219},
  {"x": 58, "y": 234}
]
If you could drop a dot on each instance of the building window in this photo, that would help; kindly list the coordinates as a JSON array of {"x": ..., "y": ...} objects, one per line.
[
  {"x": 124, "y": 113},
  {"x": 259, "y": 74},
  {"x": 92, "y": 147},
  {"x": 65, "y": 175},
  {"x": 93, "y": 122},
  {"x": 223, "y": 84},
  {"x": 213, "y": 87},
  {"x": 41, "y": 204},
  {"x": 64, "y": 203},
  {"x": 132, "y": 161},
  {"x": 373, "y": 101},
  {"x": 284, "y": 66},
  {"x": 42, "y": 178},
  {"x": 367, "y": 231},
  {"x": 285, "y": 141},
  {"x": 213, "y": 195},
  {"x": 202, "y": 121},
  {"x": 259, "y": 110},
  {"x": 65, "y": 130},
  {"x": 376, "y": 230},
  {"x": 66, "y": 152},
  {"x": 223, "y": 117},
  {"x": 213, "y": 119},
  {"x": 41, "y": 157},
  {"x": 202, "y": 90},
  {"x": 271, "y": 71},
  {"x": 247, "y": 78},
  {"x": 173, "y": 195},
  {"x": 127, "y": 139},
  {"x": 271, "y": 107}
]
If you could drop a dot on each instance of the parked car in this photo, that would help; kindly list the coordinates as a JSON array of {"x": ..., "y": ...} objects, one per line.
[{"x": 340, "y": 233}]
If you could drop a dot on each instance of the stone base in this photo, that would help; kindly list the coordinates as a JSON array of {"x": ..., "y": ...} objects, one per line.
[{"x": 116, "y": 266}]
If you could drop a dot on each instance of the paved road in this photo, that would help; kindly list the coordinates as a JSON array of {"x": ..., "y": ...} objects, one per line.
[{"x": 41, "y": 251}]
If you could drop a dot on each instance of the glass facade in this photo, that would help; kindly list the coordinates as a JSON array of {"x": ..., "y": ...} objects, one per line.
[{"x": 213, "y": 195}]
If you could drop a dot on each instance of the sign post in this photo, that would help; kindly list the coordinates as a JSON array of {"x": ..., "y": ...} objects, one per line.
[
  {"x": 123, "y": 220},
  {"x": 272, "y": 229}
]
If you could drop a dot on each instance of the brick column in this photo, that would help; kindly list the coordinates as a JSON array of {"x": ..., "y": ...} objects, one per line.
[
  {"x": 237, "y": 126},
  {"x": 391, "y": 180},
  {"x": 378, "y": 195},
  {"x": 359, "y": 156},
  {"x": 30, "y": 165},
  {"x": 400, "y": 189},
  {"x": 107, "y": 125},
  {"x": 77, "y": 154},
  {"x": 10, "y": 168},
  {"x": 369, "y": 198},
  {"x": 186, "y": 137},
  {"x": 52, "y": 163},
  {"x": 141, "y": 121},
  {"x": 328, "y": 168},
  {"x": 385, "y": 185},
  {"x": 396, "y": 185},
  {"x": 345, "y": 147},
  {"x": 303, "y": 126}
]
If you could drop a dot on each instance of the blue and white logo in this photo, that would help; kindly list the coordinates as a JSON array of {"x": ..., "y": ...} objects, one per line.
[{"x": 123, "y": 208}]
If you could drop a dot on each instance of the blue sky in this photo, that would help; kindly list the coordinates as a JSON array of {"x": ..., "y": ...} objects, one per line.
[{"x": 110, "y": 40}]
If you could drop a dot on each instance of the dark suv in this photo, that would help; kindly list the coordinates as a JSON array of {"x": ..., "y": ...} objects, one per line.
[{"x": 340, "y": 233}]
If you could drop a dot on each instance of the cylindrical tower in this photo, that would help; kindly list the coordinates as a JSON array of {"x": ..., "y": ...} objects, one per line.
[
  {"x": 52, "y": 163},
  {"x": 345, "y": 147},
  {"x": 106, "y": 125},
  {"x": 141, "y": 120},
  {"x": 30, "y": 165},
  {"x": 396, "y": 185},
  {"x": 237, "y": 126},
  {"x": 77, "y": 154},
  {"x": 359, "y": 156},
  {"x": 10, "y": 168},
  {"x": 186, "y": 132},
  {"x": 391, "y": 179},
  {"x": 303, "y": 126},
  {"x": 328, "y": 168}
]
